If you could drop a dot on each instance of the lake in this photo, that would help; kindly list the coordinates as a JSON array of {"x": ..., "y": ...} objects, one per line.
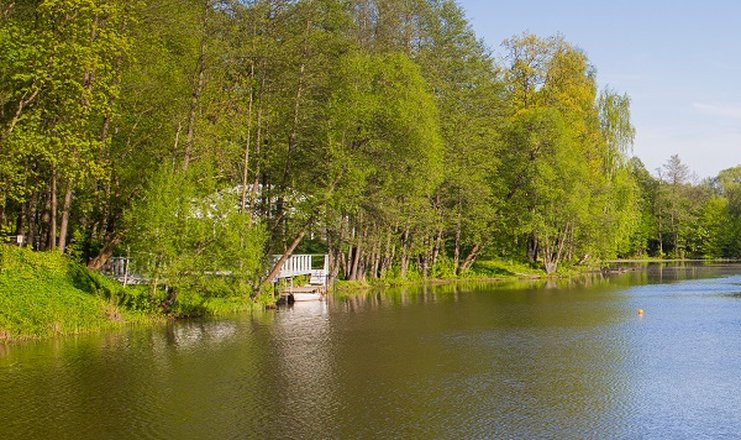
[{"x": 567, "y": 359}]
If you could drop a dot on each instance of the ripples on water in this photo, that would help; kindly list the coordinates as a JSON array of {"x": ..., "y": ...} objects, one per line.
[{"x": 534, "y": 360}]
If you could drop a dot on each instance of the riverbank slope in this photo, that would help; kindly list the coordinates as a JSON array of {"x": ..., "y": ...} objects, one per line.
[{"x": 44, "y": 294}]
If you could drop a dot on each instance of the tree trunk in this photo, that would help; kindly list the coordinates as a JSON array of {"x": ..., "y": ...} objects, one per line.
[
  {"x": 354, "y": 263},
  {"x": 471, "y": 258},
  {"x": 8, "y": 9},
  {"x": 32, "y": 224},
  {"x": 105, "y": 252},
  {"x": 354, "y": 271},
  {"x": 661, "y": 238},
  {"x": 24, "y": 101},
  {"x": 376, "y": 259},
  {"x": 404, "y": 253},
  {"x": 533, "y": 248},
  {"x": 343, "y": 264},
  {"x": 52, "y": 239},
  {"x": 457, "y": 247},
  {"x": 362, "y": 267},
  {"x": 347, "y": 260},
  {"x": 548, "y": 264},
  {"x": 293, "y": 134},
  {"x": 198, "y": 82},
  {"x": 258, "y": 146},
  {"x": 334, "y": 247},
  {"x": 553, "y": 251},
  {"x": 246, "y": 162},
  {"x": 256, "y": 181},
  {"x": 282, "y": 260},
  {"x": 64, "y": 225},
  {"x": 386, "y": 260},
  {"x": 437, "y": 247},
  {"x": 45, "y": 220}
]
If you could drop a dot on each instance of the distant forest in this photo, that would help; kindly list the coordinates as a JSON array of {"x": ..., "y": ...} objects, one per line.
[{"x": 204, "y": 135}]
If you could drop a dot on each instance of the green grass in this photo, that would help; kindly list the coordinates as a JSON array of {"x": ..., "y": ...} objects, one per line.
[
  {"x": 483, "y": 271},
  {"x": 504, "y": 269},
  {"x": 44, "y": 294}
]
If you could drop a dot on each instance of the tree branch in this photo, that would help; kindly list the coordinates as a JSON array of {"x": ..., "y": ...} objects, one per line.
[{"x": 19, "y": 112}]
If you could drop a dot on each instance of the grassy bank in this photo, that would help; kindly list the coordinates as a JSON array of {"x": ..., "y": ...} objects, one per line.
[
  {"x": 485, "y": 271},
  {"x": 502, "y": 271},
  {"x": 44, "y": 294}
]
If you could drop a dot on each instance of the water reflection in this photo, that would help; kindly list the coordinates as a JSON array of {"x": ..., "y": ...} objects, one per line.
[
  {"x": 483, "y": 362},
  {"x": 305, "y": 398},
  {"x": 194, "y": 333},
  {"x": 559, "y": 359}
]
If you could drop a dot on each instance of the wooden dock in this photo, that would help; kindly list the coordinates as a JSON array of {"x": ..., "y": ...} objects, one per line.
[
  {"x": 315, "y": 267},
  {"x": 303, "y": 266},
  {"x": 292, "y": 295}
]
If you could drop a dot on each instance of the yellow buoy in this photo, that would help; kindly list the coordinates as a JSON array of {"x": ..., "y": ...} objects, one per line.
[{"x": 640, "y": 312}]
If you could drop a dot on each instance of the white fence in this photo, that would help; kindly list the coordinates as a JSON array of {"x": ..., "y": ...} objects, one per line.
[
  {"x": 119, "y": 269},
  {"x": 305, "y": 264},
  {"x": 314, "y": 265}
]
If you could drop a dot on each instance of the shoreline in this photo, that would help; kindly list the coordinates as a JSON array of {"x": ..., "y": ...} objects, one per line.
[
  {"x": 45, "y": 294},
  {"x": 348, "y": 287}
]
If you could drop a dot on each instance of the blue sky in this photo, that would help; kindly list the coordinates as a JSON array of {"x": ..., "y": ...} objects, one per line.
[{"x": 679, "y": 61}]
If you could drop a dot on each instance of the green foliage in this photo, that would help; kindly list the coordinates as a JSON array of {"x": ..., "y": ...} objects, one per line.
[
  {"x": 56, "y": 88},
  {"x": 193, "y": 241},
  {"x": 444, "y": 268},
  {"x": 202, "y": 137},
  {"x": 46, "y": 294},
  {"x": 504, "y": 269},
  {"x": 571, "y": 196}
]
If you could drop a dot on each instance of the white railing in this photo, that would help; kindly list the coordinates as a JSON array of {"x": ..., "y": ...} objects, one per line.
[
  {"x": 119, "y": 268},
  {"x": 302, "y": 264},
  {"x": 295, "y": 265},
  {"x": 116, "y": 267}
]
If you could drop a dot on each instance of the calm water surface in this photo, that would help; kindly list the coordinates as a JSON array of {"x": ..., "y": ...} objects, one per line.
[{"x": 566, "y": 360}]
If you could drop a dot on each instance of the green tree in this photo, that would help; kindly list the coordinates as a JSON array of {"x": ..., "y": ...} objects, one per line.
[
  {"x": 384, "y": 138},
  {"x": 470, "y": 96},
  {"x": 677, "y": 209},
  {"x": 58, "y": 89},
  {"x": 187, "y": 239},
  {"x": 569, "y": 195}
]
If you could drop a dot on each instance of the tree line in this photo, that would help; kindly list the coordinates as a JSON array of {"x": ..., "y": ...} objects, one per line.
[
  {"x": 681, "y": 217},
  {"x": 207, "y": 135}
]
